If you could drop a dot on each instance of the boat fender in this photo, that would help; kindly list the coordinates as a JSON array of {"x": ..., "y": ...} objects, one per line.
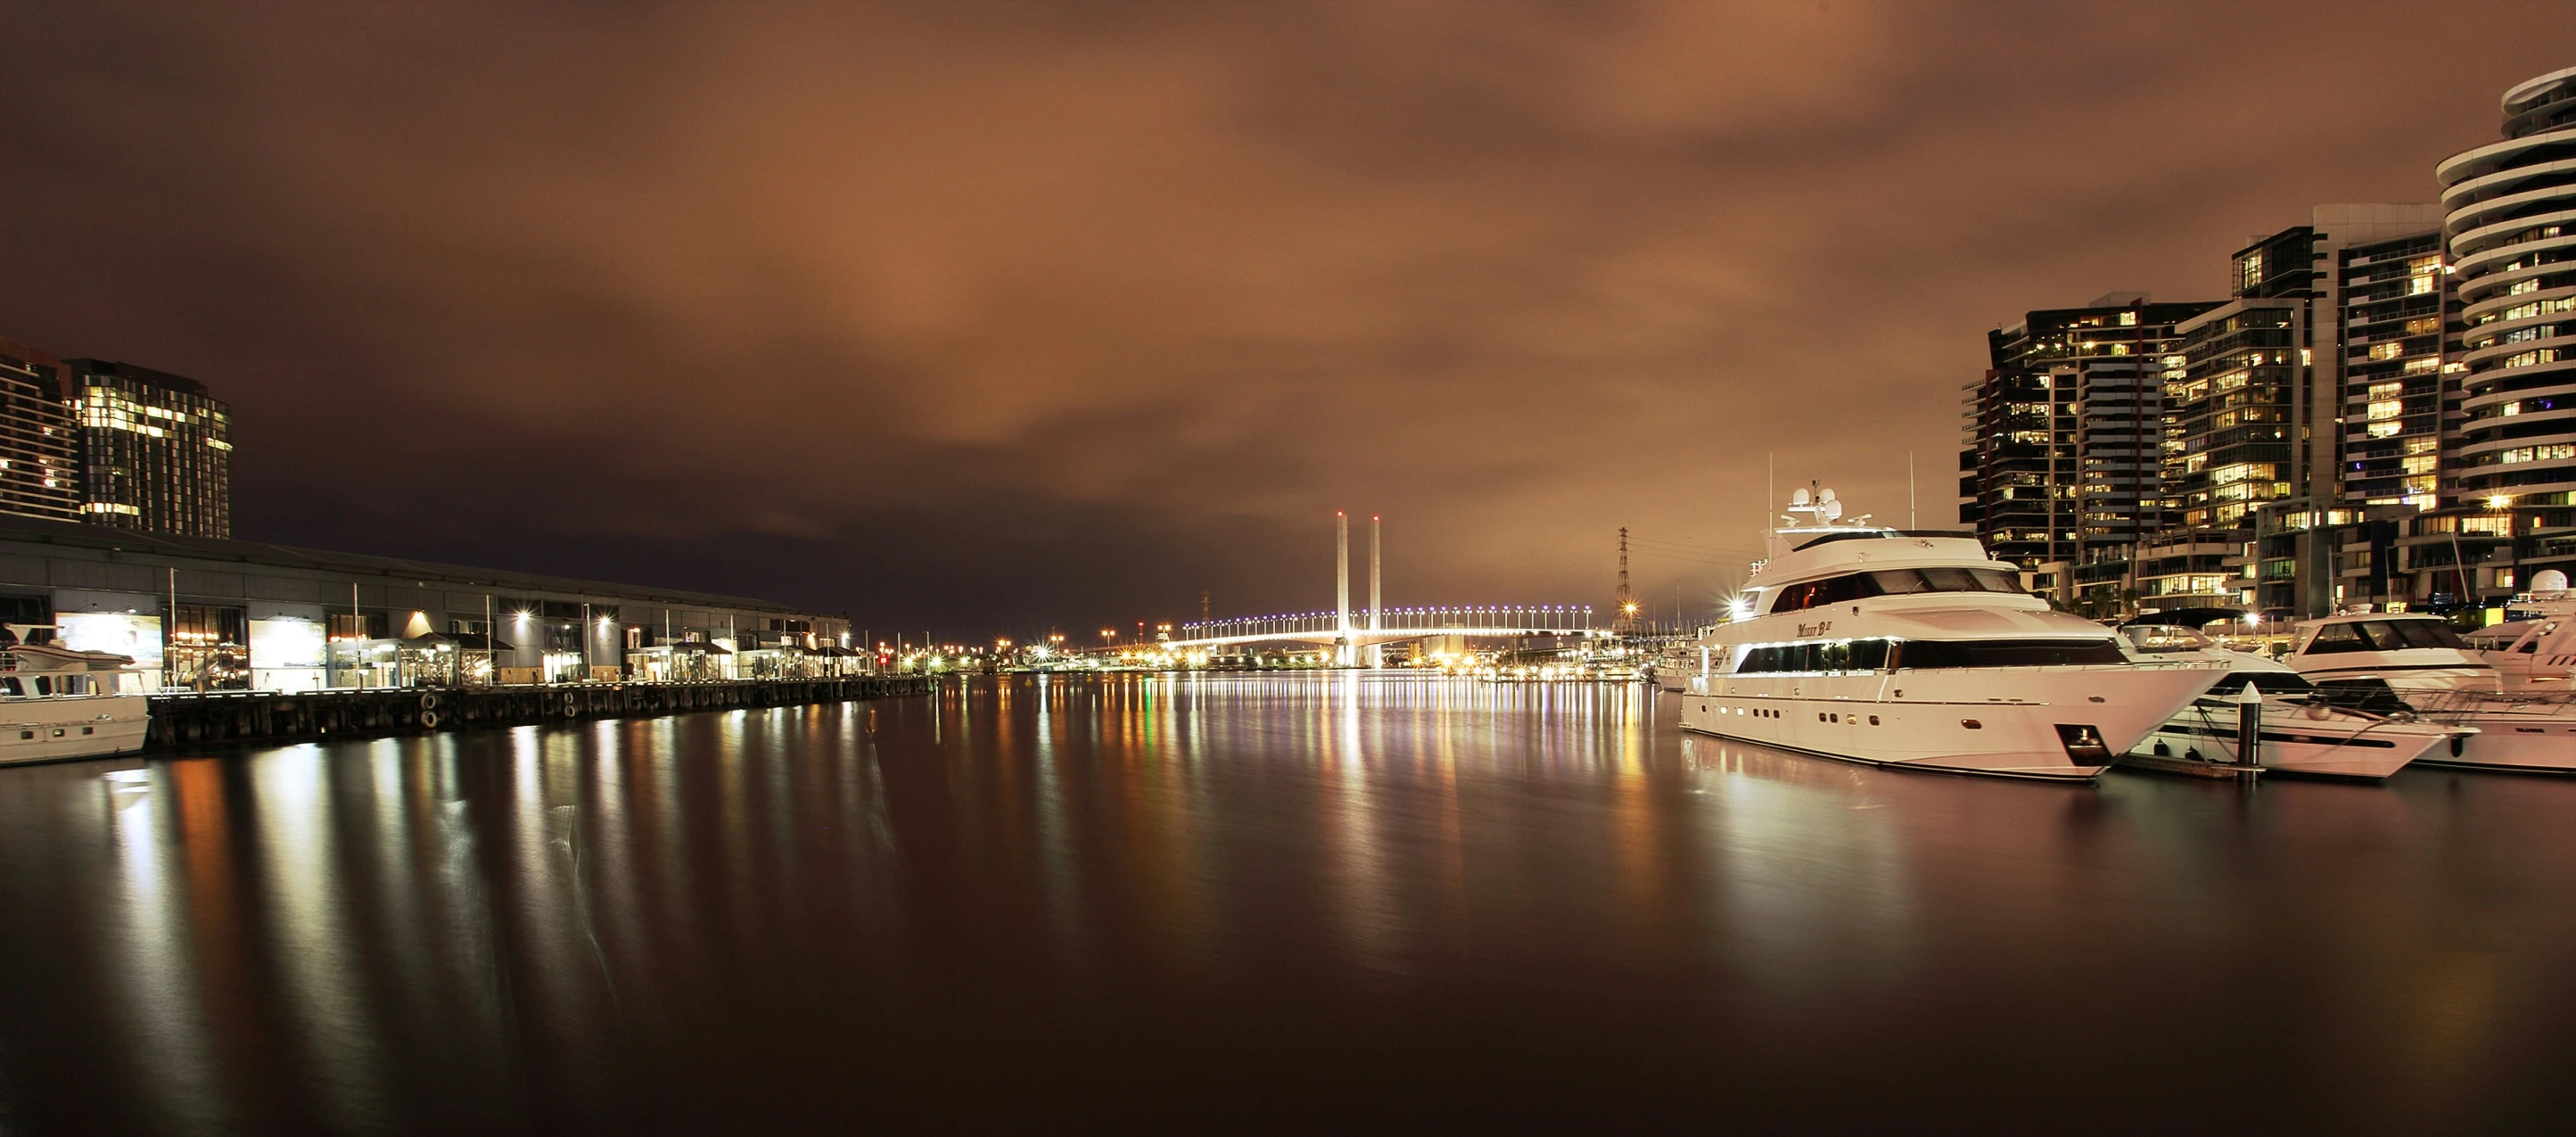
[
  {"x": 429, "y": 701},
  {"x": 429, "y": 720}
]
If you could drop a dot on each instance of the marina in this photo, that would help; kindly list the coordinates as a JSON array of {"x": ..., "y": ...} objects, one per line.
[{"x": 1137, "y": 900}]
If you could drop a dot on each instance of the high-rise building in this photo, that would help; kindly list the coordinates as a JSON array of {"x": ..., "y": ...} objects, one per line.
[
  {"x": 2511, "y": 233},
  {"x": 2064, "y": 452},
  {"x": 39, "y": 473},
  {"x": 155, "y": 450}
]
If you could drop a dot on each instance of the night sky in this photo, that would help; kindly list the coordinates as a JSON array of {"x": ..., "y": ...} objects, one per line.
[{"x": 989, "y": 317}]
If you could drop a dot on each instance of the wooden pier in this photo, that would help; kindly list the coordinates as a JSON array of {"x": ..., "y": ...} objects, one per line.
[{"x": 187, "y": 718}]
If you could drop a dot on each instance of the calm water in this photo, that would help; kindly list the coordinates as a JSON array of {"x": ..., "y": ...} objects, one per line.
[{"x": 1227, "y": 903}]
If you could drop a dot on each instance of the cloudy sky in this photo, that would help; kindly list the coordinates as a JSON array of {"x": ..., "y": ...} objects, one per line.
[{"x": 991, "y": 317}]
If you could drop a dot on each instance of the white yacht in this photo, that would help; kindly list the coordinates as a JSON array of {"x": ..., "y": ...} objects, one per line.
[
  {"x": 2393, "y": 661},
  {"x": 1916, "y": 649},
  {"x": 2303, "y": 732},
  {"x": 58, "y": 703},
  {"x": 2536, "y": 645}
]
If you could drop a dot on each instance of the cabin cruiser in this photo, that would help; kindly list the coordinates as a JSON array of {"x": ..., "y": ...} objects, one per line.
[
  {"x": 1916, "y": 649},
  {"x": 2302, "y": 731},
  {"x": 2536, "y": 645},
  {"x": 2408, "y": 661},
  {"x": 1672, "y": 668},
  {"x": 57, "y": 702}
]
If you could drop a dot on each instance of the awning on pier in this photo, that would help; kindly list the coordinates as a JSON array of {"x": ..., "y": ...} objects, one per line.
[{"x": 689, "y": 645}]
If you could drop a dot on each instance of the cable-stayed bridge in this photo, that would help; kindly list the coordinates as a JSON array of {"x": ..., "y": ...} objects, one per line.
[
  {"x": 1390, "y": 625},
  {"x": 1354, "y": 632}
]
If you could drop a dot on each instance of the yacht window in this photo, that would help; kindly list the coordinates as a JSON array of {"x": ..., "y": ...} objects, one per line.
[
  {"x": 2372, "y": 695},
  {"x": 1892, "y": 582},
  {"x": 1897, "y": 582},
  {"x": 1914, "y": 655},
  {"x": 1834, "y": 655},
  {"x": 1997, "y": 580},
  {"x": 2398, "y": 635},
  {"x": 2336, "y": 638}
]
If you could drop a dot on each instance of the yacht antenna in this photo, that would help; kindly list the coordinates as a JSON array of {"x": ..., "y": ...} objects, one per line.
[{"x": 1910, "y": 521}]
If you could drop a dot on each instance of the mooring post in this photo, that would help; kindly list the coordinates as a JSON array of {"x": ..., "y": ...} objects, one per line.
[{"x": 2249, "y": 726}]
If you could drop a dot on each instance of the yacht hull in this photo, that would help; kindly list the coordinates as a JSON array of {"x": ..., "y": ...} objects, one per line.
[
  {"x": 2338, "y": 746},
  {"x": 2064, "y": 724},
  {"x": 2532, "y": 740},
  {"x": 68, "y": 727}
]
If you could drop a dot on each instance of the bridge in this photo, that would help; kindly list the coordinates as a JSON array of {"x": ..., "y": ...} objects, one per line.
[
  {"x": 1355, "y": 634},
  {"x": 1390, "y": 625}
]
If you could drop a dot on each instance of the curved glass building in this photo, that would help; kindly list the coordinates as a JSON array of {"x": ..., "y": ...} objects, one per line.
[{"x": 2510, "y": 231}]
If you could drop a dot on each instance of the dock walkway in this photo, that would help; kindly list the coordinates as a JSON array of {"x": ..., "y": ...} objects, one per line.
[{"x": 187, "y": 717}]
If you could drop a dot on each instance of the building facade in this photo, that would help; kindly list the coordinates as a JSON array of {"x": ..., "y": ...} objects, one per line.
[
  {"x": 39, "y": 466},
  {"x": 155, "y": 450},
  {"x": 2511, "y": 236},
  {"x": 2063, "y": 454},
  {"x": 234, "y": 614},
  {"x": 2392, "y": 307}
]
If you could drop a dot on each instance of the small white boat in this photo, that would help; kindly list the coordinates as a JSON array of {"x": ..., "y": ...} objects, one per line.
[
  {"x": 1673, "y": 667},
  {"x": 1917, "y": 650},
  {"x": 57, "y": 703},
  {"x": 2302, "y": 732},
  {"x": 2393, "y": 661}
]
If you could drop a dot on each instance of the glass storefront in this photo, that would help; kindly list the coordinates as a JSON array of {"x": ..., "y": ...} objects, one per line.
[{"x": 287, "y": 653}]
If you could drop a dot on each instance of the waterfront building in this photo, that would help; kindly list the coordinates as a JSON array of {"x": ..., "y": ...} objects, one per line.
[
  {"x": 213, "y": 613},
  {"x": 2462, "y": 362},
  {"x": 155, "y": 450},
  {"x": 2063, "y": 456},
  {"x": 39, "y": 468},
  {"x": 2392, "y": 309},
  {"x": 2511, "y": 237}
]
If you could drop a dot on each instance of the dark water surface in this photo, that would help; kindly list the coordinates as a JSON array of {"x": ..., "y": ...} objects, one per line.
[{"x": 1229, "y": 903}]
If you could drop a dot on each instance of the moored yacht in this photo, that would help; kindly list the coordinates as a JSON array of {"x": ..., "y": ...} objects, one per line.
[
  {"x": 2407, "y": 661},
  {"x": 2536, "y": 645},
  {"x": 2303, "y": 732},
  {"x": 1916, "y": 649},
  {"x": 57, "y": 702}
]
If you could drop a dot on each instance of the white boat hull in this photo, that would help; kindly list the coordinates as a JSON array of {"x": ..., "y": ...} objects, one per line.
[
  {"x": 2063, "y": 724},
  {"x": 2537, "y": 738},
  {"x": 2296, "y": 742},
  {"x": 58, "y": 728}
]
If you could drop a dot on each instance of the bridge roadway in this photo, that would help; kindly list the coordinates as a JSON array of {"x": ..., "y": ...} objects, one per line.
[{"x": 1496, "y": 621}]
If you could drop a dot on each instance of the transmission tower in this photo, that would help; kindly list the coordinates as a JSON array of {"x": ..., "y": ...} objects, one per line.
[{"x": 1627, "y": 621}]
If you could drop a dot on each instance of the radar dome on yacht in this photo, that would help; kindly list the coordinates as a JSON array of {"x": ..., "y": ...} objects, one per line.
[
  {"x": 1798, "y": 498},
  {"x": 1827, "y": 495},
  {"x": 2549, "y": 580},
  {"x": 1833, "y": 509}
]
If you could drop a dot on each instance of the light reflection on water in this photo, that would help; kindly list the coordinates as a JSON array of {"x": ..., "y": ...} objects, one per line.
[{"x": 1042, "y": 899}]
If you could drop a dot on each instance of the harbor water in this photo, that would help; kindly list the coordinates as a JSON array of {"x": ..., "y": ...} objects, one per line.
[{"x": 1246, "y": 902}]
